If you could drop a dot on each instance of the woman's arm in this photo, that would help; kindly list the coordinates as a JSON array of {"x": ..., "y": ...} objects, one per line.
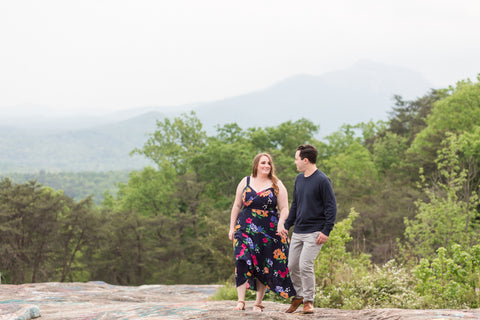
[
  {"x": 282, "y": 204},
  {"x": 236, "y": 208}
]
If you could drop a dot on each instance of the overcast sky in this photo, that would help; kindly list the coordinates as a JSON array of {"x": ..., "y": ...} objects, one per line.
[{"x": 115, "y": 54}]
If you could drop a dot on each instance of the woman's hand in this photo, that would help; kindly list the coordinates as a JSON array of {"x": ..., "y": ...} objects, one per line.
[
  {"x": 231, "y": 233},
  {"x": 281, "y": 231},
  {"x": 282, "y": 202}
]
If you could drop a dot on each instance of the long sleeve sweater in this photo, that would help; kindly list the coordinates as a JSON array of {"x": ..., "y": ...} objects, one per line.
[{"x": 314, "y": 207}]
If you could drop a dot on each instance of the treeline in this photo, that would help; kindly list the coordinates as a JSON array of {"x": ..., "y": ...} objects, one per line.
[
  {"x": 407, "y": 192},
  {"x": 76, "y": 185}
]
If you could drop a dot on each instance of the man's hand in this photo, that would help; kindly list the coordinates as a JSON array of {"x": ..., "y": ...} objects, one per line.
[{"x": 321, "y": 239}]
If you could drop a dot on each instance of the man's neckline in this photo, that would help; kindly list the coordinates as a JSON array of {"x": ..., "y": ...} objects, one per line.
[{"x": 305, "y": 176}]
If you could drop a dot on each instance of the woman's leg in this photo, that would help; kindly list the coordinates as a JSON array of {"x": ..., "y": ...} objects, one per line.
[
  {"x": 241, "y": 290},
  {"x": 261, "y": 288}
]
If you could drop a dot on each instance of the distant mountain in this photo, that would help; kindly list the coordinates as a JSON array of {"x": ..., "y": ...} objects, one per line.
[
  {"x": 360, "y": 93},
  {"x": 98, "y": 148}
]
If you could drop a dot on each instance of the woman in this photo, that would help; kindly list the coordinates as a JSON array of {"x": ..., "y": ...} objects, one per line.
[{"x": 261, "y": 204}]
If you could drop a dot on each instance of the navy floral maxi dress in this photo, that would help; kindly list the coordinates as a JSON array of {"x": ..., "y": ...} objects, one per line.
[{"x": 259, "y": 252}]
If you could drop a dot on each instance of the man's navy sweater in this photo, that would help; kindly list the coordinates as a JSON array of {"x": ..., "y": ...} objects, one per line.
[{"x": 314, "y": 207}]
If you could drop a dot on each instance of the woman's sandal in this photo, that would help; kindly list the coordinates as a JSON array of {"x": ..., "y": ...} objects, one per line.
[
  {"x": 259, "y": 307},
  {"x": 237, "y": 308}
]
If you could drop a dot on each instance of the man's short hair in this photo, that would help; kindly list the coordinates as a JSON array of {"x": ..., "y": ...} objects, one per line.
[{"x": 308, "y": 151}]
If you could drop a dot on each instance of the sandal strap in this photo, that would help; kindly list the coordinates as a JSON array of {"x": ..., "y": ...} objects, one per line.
[
  {"x": 259, "y": 306},
  {"x": 242, "y": 303}
]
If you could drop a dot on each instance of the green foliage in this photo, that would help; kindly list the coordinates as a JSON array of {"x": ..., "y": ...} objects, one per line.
[
  {"x": 335, "y": 263},
  {"x": 457, "y": 112},
  {"x": 346, "y": 282},
  {"x": 352, "y": 169},
  {"x": 451, "y": 279},
  {"x": 450, "y": 213},
  {"x": 340, "y": 140},
  {"x": 175, "y": 142},
  {"x": 408, "y": 118},
  {"x": 179, "y": 212},
  {"x": 42, "y": 232},
  {"x": 77, "y": 185},
  {"x": 359, "y": 183},
  {"x": 149, "y": 192},
  {"x": 228, "y": 291},
  {"x": 221, "y": 166},
  {"x": 286, "y": 136},
  {"x": 168, "y": 223},
  {"x": 388, "y": 151},
  {"x": 389, "y": 286}
]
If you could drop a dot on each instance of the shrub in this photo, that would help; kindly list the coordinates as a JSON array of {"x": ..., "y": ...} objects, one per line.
[
  {"x": 334, "y": 263},
  {"x": 452, "y": 279},
  {"x": 389, "y": 286}
]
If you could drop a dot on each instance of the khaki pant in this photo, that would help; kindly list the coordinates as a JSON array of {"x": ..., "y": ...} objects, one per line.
[{"x": 302, "y": 254}]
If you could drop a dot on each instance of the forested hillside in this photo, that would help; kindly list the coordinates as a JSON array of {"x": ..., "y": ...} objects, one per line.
[
  {"x": 100, "y": 148},
  {"x": 407, "y": 232},
  {"x": 76, "y": 185}
]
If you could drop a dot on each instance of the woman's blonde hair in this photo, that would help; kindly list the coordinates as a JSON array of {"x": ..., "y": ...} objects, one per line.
[{"x": 271, "y": 175}]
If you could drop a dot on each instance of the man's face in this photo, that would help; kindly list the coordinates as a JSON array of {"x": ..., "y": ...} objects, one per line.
[{"x": 300, "y": 163}]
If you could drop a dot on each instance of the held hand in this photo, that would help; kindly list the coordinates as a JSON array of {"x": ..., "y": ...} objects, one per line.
[
  {"x": 321, "y": 239},
  {"x": 281, "y": 231}
]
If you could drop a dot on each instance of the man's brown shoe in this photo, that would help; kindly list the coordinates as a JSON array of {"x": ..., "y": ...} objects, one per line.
[
  {"x": 308, "y": 307},
  {"x": 296, "y": 302}
]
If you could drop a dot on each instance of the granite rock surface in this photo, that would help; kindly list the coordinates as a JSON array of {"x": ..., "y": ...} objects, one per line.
[{"x": 99, "y": 300}]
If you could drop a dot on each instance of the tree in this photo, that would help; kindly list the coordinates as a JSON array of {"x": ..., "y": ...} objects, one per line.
[
  {"x": 388, "y": 151},
  {"x": 457, "y": 113},
  {"x": 78, "y": 227},
  {"x": 221, "y": 167},
  {"x": 175, "y": 142},
  {"x": 408, "y": 118},
  {"x": 359, "y": 164},
  {"x": 118, "y": 255},
  {"x": 30, "y": 215},
  {"x": 450, "y": 213},
  {"x": 148, "y": 192},
  {"x": 42, "y": 232}
]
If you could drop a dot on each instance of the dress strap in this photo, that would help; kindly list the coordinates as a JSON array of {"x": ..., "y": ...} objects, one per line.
[{"x": 248, "y": 181}]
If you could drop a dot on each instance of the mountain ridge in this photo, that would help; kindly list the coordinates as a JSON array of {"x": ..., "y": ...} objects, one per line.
[
  {"x": 360, "y": 93},
  {"x": 366, "y": 94}
]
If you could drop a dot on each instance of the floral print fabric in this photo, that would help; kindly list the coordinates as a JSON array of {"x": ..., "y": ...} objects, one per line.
[{"x": 259, "y": 252}]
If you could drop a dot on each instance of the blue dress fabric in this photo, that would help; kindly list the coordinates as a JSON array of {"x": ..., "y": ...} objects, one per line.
[{"x": 259, "y": 252}]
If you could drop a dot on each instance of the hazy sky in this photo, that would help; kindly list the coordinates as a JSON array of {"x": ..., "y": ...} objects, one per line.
[{"x": 115, "y": 54}]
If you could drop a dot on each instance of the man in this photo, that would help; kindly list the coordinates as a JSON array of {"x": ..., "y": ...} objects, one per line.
[{"x": 313, "y": 212}]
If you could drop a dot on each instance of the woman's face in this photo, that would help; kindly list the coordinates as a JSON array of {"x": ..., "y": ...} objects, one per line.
[{"x": 264, "y": 166}]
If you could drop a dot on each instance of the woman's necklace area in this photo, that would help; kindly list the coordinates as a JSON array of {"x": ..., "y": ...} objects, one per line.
[{"x": 260, "y": 185}]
